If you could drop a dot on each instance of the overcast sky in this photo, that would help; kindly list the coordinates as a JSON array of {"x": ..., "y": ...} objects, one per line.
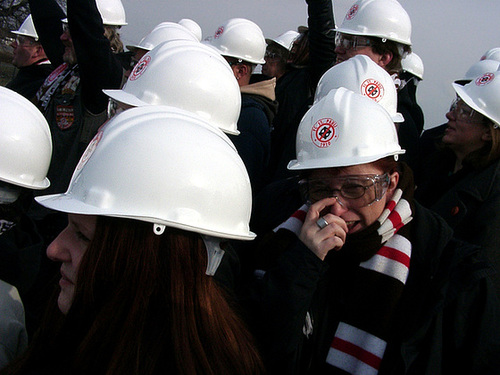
[{"x": 449, "y": 35}]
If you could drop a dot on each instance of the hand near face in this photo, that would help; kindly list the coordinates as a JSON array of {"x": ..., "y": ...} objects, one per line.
[{"x": 321, "y": 240}]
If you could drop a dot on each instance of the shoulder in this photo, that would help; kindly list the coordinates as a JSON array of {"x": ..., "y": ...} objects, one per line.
[
  {"x": 12, "y": 330},
  {"x": 441, "y": 256}
]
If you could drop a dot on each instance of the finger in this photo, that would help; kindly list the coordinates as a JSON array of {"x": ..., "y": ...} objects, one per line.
[
  {"x": 337, "y": 220},
  {"x": 314, "y": 211}
]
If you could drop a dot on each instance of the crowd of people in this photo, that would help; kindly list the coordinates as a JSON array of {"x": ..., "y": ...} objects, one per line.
[{"x": 167, "y": 209}]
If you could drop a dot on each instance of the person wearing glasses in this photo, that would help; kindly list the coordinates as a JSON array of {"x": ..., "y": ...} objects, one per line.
[
  {"x": 362, "y": 279},
  {"x": 30, "y": 58},
  {"x": 461, "y": 180},
  {"x": 381, "y": 29}
]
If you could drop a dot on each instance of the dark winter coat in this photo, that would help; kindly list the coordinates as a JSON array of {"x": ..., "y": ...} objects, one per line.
[{"x": 446, "y": 321}]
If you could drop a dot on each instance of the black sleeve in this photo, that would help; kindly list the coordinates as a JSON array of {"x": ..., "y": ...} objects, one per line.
[
  {"x": 277, "y": 303},
  {"x": 99, "y": 67},
  {"x": 47, "y": 16},
  {"x": 321, "y": 37}
]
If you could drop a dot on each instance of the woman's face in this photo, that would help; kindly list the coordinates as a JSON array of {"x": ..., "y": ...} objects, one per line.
[
  {"x": 357, "y": 218},
  {"x": 69, "y": 248},
  {"x": 466, "y": 131}
]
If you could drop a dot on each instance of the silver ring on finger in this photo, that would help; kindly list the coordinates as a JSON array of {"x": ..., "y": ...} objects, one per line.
[{"x": 321, "y": 222}]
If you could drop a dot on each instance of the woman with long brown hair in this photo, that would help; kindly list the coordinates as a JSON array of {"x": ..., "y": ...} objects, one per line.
[
  {"x": 460, "y": 180},
  {"x": 147, "y": 214}
]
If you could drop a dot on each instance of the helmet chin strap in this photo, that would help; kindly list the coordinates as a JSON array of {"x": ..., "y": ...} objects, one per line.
[{"x": 215, "y": 253}]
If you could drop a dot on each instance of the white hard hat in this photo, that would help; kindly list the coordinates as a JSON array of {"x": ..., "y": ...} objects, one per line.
[
  {"x": 343, "y": 129},
  {"x": 483, "y": 95},
  {"x": 285, "y": 40},
  {"x": 363, "y": 76},
  {"x": 412, "y": 63},
  {"x": 164, "y": 166},
  {"x": 479, "y": 68},
  {"x": 193, "y": 27},
  {"x": 163, "y": 32},
  {"x": 492, "y": 54},
  {"x": 27, "y": 28},
  {"x": 112, "y": 12},
  {"x": 239, "y": 38},
  {"x": 25, "y": 142},
  {"x": 187, "y": 75},
  {"x": 384, "y": 19}
]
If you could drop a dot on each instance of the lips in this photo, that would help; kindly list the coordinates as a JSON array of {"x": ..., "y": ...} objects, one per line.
[
  {"x": 351, "y": 224},
  {"x": 65, "y": 278}
]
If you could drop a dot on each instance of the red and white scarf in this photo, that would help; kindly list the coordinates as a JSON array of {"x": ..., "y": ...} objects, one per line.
[{"x": 359, "y": 344}]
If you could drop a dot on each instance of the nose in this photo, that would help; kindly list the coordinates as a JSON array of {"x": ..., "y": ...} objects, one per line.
[
  {"x": 64, "y": 36},
  {"x": 450, "y": 115},
  {"x": 14, "y": 44},
  {"x": 57, "y": 250},
  {"x": 338, "y": 208}
]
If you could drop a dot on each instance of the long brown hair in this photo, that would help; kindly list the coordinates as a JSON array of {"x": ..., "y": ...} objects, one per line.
[
  {"x": 490, "y": 152},
  {"x": 143, "y": 305},
  {"x": 116, "y": 44}
]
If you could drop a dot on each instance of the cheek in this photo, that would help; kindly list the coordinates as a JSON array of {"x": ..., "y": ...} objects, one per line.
[
  {"x": 77, "y": 257},
  {"x": 371, "y": 213}
]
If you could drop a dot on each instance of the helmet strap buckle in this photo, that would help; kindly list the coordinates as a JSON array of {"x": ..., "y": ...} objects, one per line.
[{"x": 215, "y": 253}]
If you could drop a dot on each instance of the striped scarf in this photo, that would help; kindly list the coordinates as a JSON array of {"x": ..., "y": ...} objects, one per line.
[{"x": 382, "y": 252}]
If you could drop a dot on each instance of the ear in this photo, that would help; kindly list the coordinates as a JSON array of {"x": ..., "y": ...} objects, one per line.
[
  {"x": 241, "y": 70},
  {"x": 393, "y": 184},
  {"x": 38, "y": 52},
  {"x": 242, "y": 74},
  {"x": 385, "y": 59}
]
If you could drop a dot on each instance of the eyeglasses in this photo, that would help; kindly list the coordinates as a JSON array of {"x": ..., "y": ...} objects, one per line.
[
  {"x": 115, "y": 108},
  {"x": 351, "y": 41},
  {"x": 272, "y": 55},
  {"x": 24, "y": 40},
  {"x": 353, "y": 191},
  {"x": 465, "y": 113}
]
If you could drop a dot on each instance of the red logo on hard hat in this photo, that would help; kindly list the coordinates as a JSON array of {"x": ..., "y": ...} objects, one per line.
[
  {"x": 323, "y": 132},
  {"x": 140, "y": 68},
  {"x": 352, "y": 12},
  {"x": 485, "y": 79},
  {"x": 219, "y": 32},
  {"x": 372, "y": 89}
]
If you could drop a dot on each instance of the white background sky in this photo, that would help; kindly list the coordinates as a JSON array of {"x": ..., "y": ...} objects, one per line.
[{"x": 449, "y": 35}]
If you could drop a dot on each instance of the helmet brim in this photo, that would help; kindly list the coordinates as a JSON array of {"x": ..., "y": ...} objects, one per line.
[
  {"x": 66, "y": 203},
  {"x": 295, "y": 165},
  {"x": 471, "y": 102},
  {"x": 125, "y": 98}
]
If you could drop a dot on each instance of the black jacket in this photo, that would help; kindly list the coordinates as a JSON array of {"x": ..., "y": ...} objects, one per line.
[
  {"x": 258, "y": 108},
  {"x": 468, "y": 200},
  {"x": 29, "y": 79},
  {"x": 447, "y": 319},
  {"x": 295, "y": 89},
  {"x": 409, "y": 130}
]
